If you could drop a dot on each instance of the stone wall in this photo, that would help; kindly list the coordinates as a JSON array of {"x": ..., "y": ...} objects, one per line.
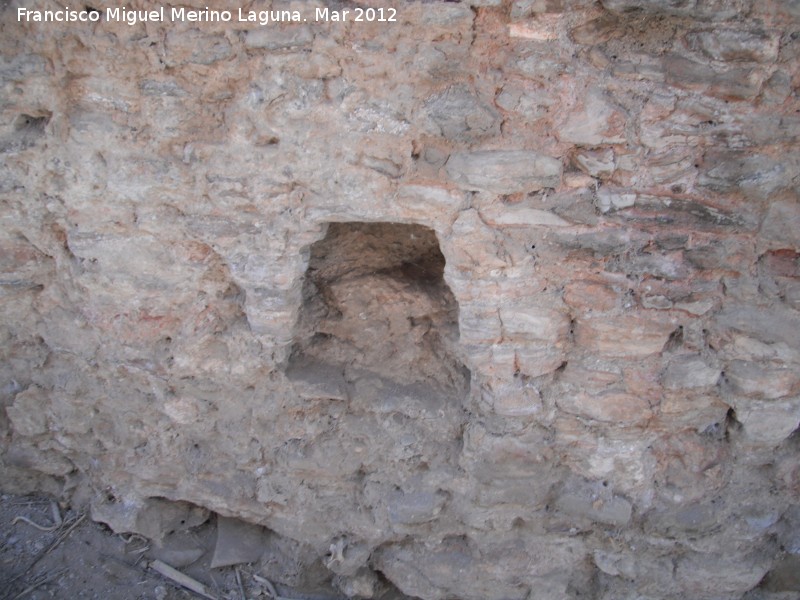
[{"x": 498, "y": 301}]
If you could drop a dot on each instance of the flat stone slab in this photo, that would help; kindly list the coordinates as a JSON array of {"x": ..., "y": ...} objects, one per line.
[
  {"x": 237, "y": 542},
  {"x": 503, "y": 171}
]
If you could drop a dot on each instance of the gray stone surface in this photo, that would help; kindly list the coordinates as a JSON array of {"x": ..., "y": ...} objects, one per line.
[
  {"x": 731, "y": 45},
  {"x": 237, "y": 542},
  {"x": 460, "y": 115},
  {"x": 716, "y": 10},
  {"x": 497, "y": 301},
  {"x": 503, "y": 171}
]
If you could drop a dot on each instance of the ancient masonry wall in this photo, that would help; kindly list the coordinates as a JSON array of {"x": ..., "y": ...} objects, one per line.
[{"x": 499, "y": 300}]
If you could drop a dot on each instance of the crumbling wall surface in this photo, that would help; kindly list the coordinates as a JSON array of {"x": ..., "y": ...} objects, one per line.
[{"x": 499, "y": 301}]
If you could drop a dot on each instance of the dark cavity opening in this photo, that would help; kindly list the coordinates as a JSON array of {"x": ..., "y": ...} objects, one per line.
[
  {"x": 30, "y": 124},
  {"x": 375, "y": 302}
]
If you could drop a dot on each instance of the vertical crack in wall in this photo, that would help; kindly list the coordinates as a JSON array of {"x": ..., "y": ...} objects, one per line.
[{"x": 374, "y": 300}]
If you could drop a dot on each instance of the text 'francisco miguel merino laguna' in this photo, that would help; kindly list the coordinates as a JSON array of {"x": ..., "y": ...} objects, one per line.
[{"x": 207, "y": 15}]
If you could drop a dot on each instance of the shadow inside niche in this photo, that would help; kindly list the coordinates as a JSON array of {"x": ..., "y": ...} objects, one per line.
[{"x": 375, "y": 304}]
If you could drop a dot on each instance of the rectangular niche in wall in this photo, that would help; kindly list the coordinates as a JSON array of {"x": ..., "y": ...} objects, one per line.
[{"x": 375, "y": 300}]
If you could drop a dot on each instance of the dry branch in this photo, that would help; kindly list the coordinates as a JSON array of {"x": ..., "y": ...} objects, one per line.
[{"x": 183, "y": 580}]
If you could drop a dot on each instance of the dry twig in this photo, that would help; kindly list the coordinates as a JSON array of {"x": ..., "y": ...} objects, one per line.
[
  {"x": 39, "y": 584},
  {"x": 50, "y": 548},
  {"x": 239, "y": 582},
  {"x": 181, "y": 579},
  {"x": 62, "y": 537}
]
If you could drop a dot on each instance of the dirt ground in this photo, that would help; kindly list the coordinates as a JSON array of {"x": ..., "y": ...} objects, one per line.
[{"x": 81, "y": 559}]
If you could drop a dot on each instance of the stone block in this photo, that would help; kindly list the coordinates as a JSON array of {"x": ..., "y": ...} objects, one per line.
[
  {"x": 184, "y": 410},
  {"x": 757, "y": 176},
  {"x": 314, "y": 380},
  {"x": 713, "y": 10},
  {"x": 162, "y": 87},
  {"x": 237, "y": 542},
  {"x": 21, "y": 65},
  {"x": 732, "y": 45},
  {"x": 656, "y": 301},
  {"x": 533, "y": 324},
  {"x": 497, "y": 360},
  {"x": 784, "y": 576},
  {"x": 588, "y": 374},
  {"x": 762, "y": 380},
  {"x": 615, "y": 511},
  {"x": 781, "y": 226},
  {"x": 720, "y": 575},
  {"x": 517, "y": 494},
  {"x": 600, "y": 163},
  {"x": 521, "y": 216},
  {"x": 537, "y": 359},
  {"x": 275, "y": 325},
  {"x": 511, "y": 400},
  {"x": 767, "y": 422},
  {"x": 789, "y": 526},
  {"x": 460, "y": 115},
  {"x": 692, "y": 214},
  {"x": 477, "y": 250},
  {"x": 415, "y": 507},
  {"x": 22, "y": 454},
  {"x": 425, "y": 573},
  {"x": 624, "y": 460},
  {"x": 488, "y": 456},
  {"x": 692, "y": 519},
  {"x": 390, "y": 165},
  {"x": 451, "y": 18},
  {"x": 777, "y": 89},
  {"x": 362, "y": 584},
  {"x": 28, "y": 413},
  {"x": 623, "y": 337},
  {"x": 130, "y": 265},
  {"x": 474, "y": 569},
  {"x": 792, "y": 295},
  {"x": 196, "y": 47},
  {"x": 610, "y": 407},
  {"x": 597, "y": 31},
  {"x": 503, "y": 171},
  {"x": 422, "y": 400},
  {"x": 674, "y": 168},
  {"x": 294, "y": 37},
  {"x": 725, "y": 254},
  {"x": 521, "y": 9},
  {"x": 615, "y": 564},
  {"x": 430, "y": 204},
  {"x": 775, "y": 324},
  {"x": 686, "y": 372},
  {"x": 533, "y": 62},
  {"x": 610, "y": 199},
  {"x": 590, "y": 296},
  {"x": 603, "y": 241},
  {"x": 596, "y": 122},
  {"x": 704, "y": 413},
  {"x": 696, "y": 307},
  {"x": 734, "y": 83},
  {"x": 535, "y": 337},
  {"x": 479, "y": 325},
  {"x": 298, "y": 564}
]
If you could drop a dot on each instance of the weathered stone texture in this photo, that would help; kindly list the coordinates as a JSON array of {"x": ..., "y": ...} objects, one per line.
[
  {"x": 504, "y": 171},
  {"x": 497, "y": 301}
]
